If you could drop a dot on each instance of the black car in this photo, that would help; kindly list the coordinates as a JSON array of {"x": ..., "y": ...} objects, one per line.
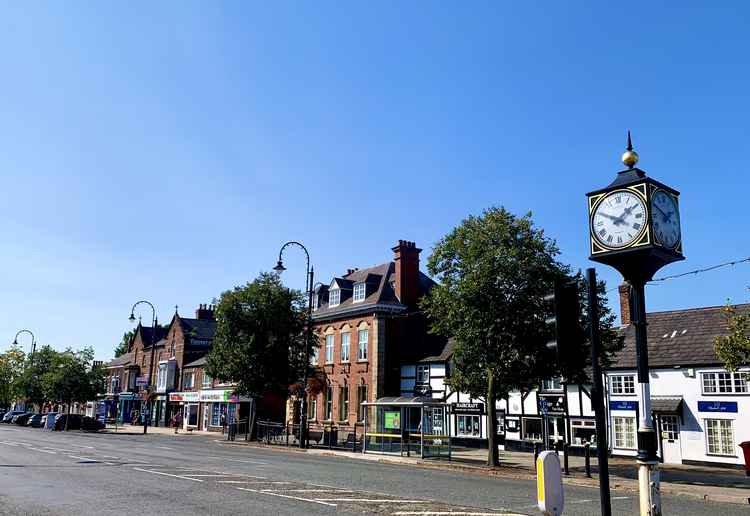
[
  {"x": 74, "y": 424},
  {"x": 35, "y": 421},
  {"x": 21, "y": 419},
  {"x": 90, "y": 424}
]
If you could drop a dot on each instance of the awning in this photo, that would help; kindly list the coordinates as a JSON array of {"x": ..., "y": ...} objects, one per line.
[
  {"x": 404, "y": 401},
  {"x": 666, "y": 404}
]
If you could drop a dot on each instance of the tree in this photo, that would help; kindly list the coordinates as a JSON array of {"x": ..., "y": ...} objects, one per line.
[
  {"x": 259, "y": 342},
  {"x": 72, "y": 378},
  {"x": 124, "y": 344},
  {"x": 734, "y": 348},
  {"x": 11, "y": 370},
  {"x": 493, "y": 272},
  {"x": 30, "y": 384}
]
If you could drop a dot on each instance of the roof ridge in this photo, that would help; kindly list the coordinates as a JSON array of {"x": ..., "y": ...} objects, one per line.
[{"x": 698, "y": 309}]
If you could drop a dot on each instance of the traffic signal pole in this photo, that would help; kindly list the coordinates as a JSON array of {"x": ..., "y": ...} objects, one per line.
[{"x": 597, "y": 395}]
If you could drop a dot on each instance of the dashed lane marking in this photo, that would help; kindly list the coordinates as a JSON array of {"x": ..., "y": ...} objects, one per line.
[
  {"x": 369, "y": 500},
  {"x": 167, "y": 474},
  {"x": 341, "y": 491},
  {"x": 248, "y": 461},
  {"x": 43, "y": 451},
  {"x": 287, "y": 496},
  {"x": 454, "y": 513},
  {"x": 251, "y": 482},
  {"x": 165, "y": 448}
]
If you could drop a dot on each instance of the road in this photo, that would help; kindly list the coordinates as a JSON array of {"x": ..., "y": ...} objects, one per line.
[{"x": 50, "y": 473}]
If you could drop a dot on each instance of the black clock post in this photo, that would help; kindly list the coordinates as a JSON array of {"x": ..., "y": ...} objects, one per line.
[{"x": 634, "y": 227}]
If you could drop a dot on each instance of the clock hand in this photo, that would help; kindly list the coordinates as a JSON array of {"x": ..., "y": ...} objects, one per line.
[{"x": 660, "y": 210}]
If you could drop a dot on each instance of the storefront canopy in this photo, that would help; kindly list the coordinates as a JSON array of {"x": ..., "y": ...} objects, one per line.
[
  {"x": 666, "y": 404},
  {"x": 404, "y": 401}
]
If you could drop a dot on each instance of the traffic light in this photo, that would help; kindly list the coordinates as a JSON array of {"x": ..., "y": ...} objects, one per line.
[{"x": 564, "y": 322}]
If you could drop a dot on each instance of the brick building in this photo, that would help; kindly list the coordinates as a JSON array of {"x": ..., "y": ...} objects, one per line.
[{"x": 368, "y": 323}]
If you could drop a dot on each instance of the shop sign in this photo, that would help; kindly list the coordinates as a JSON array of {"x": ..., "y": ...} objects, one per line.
[
  {"x": 551, "y": 404},
  {"x": 466, "y": 408},
  {"x": 511, "y": 425},
  {"x": 717, "y": 406},
  {"x": 216, "y": 396},
  {"x": 184, "y": 396},
  {"x": 392, "y": 419},
  {"x": 623, "y": 405}
]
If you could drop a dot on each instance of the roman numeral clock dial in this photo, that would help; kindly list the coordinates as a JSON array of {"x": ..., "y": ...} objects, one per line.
[{"x": 619, "y": 219}]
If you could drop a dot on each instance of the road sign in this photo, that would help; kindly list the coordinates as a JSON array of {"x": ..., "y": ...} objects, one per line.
[{"x": 549, "y": 486}]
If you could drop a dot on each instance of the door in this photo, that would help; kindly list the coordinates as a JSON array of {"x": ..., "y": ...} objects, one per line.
[
  {"x": 670, "y": 439},
  {"x": 206, "y": 416},
  {"x": 191, "y": 415}
]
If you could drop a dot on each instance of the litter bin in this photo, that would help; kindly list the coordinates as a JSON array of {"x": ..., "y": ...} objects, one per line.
[{"x": 746, "y": 450}]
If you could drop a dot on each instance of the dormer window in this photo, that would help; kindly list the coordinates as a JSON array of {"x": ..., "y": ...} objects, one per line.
[
  {"x": 359, "y": 292},
  {"x": 334, "y": 297}
]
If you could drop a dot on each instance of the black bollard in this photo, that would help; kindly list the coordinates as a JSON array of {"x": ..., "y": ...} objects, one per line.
[
  {"x": 566, "y": 450},
  {"x": 587, "y": 450}
]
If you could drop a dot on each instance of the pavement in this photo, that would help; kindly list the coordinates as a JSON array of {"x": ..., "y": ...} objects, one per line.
[{"x": 51, "y": 473}]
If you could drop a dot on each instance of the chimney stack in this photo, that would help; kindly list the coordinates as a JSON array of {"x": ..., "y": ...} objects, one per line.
[
  {"x": 624, "y": 290},
  {"x": 205, "y": 312},
  {"x": 406, "y": 256}
]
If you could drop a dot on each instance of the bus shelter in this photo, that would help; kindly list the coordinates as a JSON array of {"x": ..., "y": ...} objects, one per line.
[{"x": 407, "y": 425}]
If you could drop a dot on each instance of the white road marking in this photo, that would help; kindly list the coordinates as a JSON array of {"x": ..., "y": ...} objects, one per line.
[
  {"x": 287, "y": 496},
  {"x": 82, "y": 458},
  {"x": 204, "y": 475},
  {"x": 580, "y": 501},
  {"x": 247, "y": 461},
  {"x": 342, "y": 491},
  {"x": 456, "y": 513},
  {"x": 250, "y": 482},
  {"x": 43, "y": 451},
  {"x": 165, "y": 448},
  {"x": 370, "y": 500},
  {"x": 168, "y": 474},
  {"x": 620, "y": 498},
  {"x": 9, "y": 444},
  {"x": 82, "y": 446}
]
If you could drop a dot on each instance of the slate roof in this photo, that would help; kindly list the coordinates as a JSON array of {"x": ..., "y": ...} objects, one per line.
[
  {"x": 379, "y": 291},
  {"x": 146, "y": 332},
  {"x": 121, "y": 361},
  {"x": 196, "y": 363},
  {"x": 444, "y": 354},
  {"x": 199, "y": 328},
  {"x": 678, "y": 338}
]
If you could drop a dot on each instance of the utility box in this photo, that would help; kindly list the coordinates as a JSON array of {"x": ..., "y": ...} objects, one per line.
[
  {"x": 549, "y": 486},
  {"x": 746, "y": 451}
]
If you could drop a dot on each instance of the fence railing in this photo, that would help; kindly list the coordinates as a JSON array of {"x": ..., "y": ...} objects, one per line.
[{"x": 334, "y": 437}]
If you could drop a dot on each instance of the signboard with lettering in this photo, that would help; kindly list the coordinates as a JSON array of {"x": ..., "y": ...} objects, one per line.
[
  {"x": 717, "y": 406},
  {"x": 511, "y": 425},
  {"x": 623, "y": 405},
  {"x": 141, "y": 381},
  {"x": 551, "y": 404},
  {"x": 184, "y": 396},
  {"x": 466, "y": 408},
  {"x": 392, "y": 419}
]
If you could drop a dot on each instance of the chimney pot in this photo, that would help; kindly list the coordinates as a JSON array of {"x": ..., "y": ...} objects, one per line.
[{"x": 624, "y": 291}]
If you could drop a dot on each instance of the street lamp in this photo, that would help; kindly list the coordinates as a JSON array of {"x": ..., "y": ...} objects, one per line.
[
  {"x": 309, "y": 286},
  {"x": 33, "y": 345},
  {"x": 149, "y": 386}
]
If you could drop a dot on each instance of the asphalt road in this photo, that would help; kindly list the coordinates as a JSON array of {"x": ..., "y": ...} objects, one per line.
[{"x": 75, "y": 473}]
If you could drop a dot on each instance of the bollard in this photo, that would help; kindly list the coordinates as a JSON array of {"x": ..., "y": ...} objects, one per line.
[
  {"x": 587, "y": 453},
  {"x": 566, "y": 450}
]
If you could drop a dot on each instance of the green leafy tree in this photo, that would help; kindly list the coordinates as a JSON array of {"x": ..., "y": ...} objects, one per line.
[
  {"x": 733, "y": 348},
  {"x": 11, "y": 371},
  {"x": 493, "y": 272},
  {"x": 30, "y": 384},
  {"x": 124, "y": 344},
  {"x": 72, "y": 378},
  {"x": 259, "y": 341}
]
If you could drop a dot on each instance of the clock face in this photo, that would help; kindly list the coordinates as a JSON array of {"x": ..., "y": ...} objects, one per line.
[
  {"x": 619, "y": 219},
  {"x": 666, "y": 218}
]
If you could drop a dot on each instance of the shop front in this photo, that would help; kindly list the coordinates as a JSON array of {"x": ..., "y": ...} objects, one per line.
[
  {"x": 129, "y": 408},
  {"x": 188, "y": 404},
  {"x": 220, "y": 407}
]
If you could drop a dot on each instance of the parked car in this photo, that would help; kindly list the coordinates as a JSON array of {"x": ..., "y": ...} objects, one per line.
[
  {"x": 35, "y": 421},
  {"x": 48, "y": 415},
  {"x": 90, "y": 424},
  {"x": 21, "y": 419},
  {"x": 7, "y": 418},
  {"x": 74, "y": 424}
]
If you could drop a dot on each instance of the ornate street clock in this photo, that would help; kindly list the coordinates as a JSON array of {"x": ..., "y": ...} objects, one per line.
[{"x": 634, "y": 223}]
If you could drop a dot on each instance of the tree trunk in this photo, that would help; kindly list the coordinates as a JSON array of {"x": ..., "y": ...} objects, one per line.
[
  {"x": 250, "y": 420},
  {"x": 67, "y": 418},
  {"x": 492, "y": 455}
]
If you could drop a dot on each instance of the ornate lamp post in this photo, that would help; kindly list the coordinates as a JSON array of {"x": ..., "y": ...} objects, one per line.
[
  {"x": 309, "y": 286},
  {"x": 149, "y": 387},
  {"x": 33, "y": 345}
]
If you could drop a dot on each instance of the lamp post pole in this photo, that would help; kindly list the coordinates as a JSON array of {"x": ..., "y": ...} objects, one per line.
[
  {"x": 309, "y": 281},
  {"x": 33, "y": 345},
  {"x": 147, "y": 416}
]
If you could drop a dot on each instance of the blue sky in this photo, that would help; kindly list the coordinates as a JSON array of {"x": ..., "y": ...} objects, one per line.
[{"x": 166, "y": 150}]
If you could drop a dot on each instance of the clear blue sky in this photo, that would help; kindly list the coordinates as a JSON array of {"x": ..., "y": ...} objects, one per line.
[{"x": 166, "y": 150}]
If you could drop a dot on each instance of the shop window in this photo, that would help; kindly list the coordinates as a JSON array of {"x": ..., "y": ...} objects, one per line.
[
  {"x": 583, "y": 431},
  {"x": 328, "y": 404},
  {"x": 624, "y": 428},
  {"x": 344, "y": 403},
  {"x": 720, "y": 437},
  {"x": 531, "y": 429},
  {"x": 361, "y": 398},
  {"x": 468, "y": 426},
  {"x": 217, "y": 409},
  {"x": 623, "y": 384}
]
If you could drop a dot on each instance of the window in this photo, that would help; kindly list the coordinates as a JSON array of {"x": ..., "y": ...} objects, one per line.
[
  {"x": 531, "y": 429},
  {"x": 312, "y": 408},
  {"x": 314, "y": 355},
  {"x": 115, "y": 385},
  {"x": 316, "y": 301},
  {"x": 423, "y": 374},
  {"x": 207, "y": 380},
  {"x": 328, "y": 404},
  {"x": 361, "y": 398},
  {"x": 217, "y": 409},
  {"x": 187, "y": 380},
  {"x": 359, "y": 292},
  {"x": 670, "y": 427},
  {"x": 584, "y": 431},
  {"x": 551, "y": 385},
  {"x": 362, "y": 349},
  {"x": 344, "y": 403},
  {"x": 625, "y": 432},
  {"x": 329, "y": 349},
  {"x": 161, "y": 377},
  {"x": 345, "y": 338},
  {"x": 334, "y": 297},
  {"x": 623, "y": 384},
  {"x": 720, "y": 436},
  {"x": 468, "y": 426},
  {"x": 724, "y": 382}
]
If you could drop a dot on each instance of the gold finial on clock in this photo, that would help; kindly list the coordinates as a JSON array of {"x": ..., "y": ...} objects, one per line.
[{"x": 630, "y": 157}]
